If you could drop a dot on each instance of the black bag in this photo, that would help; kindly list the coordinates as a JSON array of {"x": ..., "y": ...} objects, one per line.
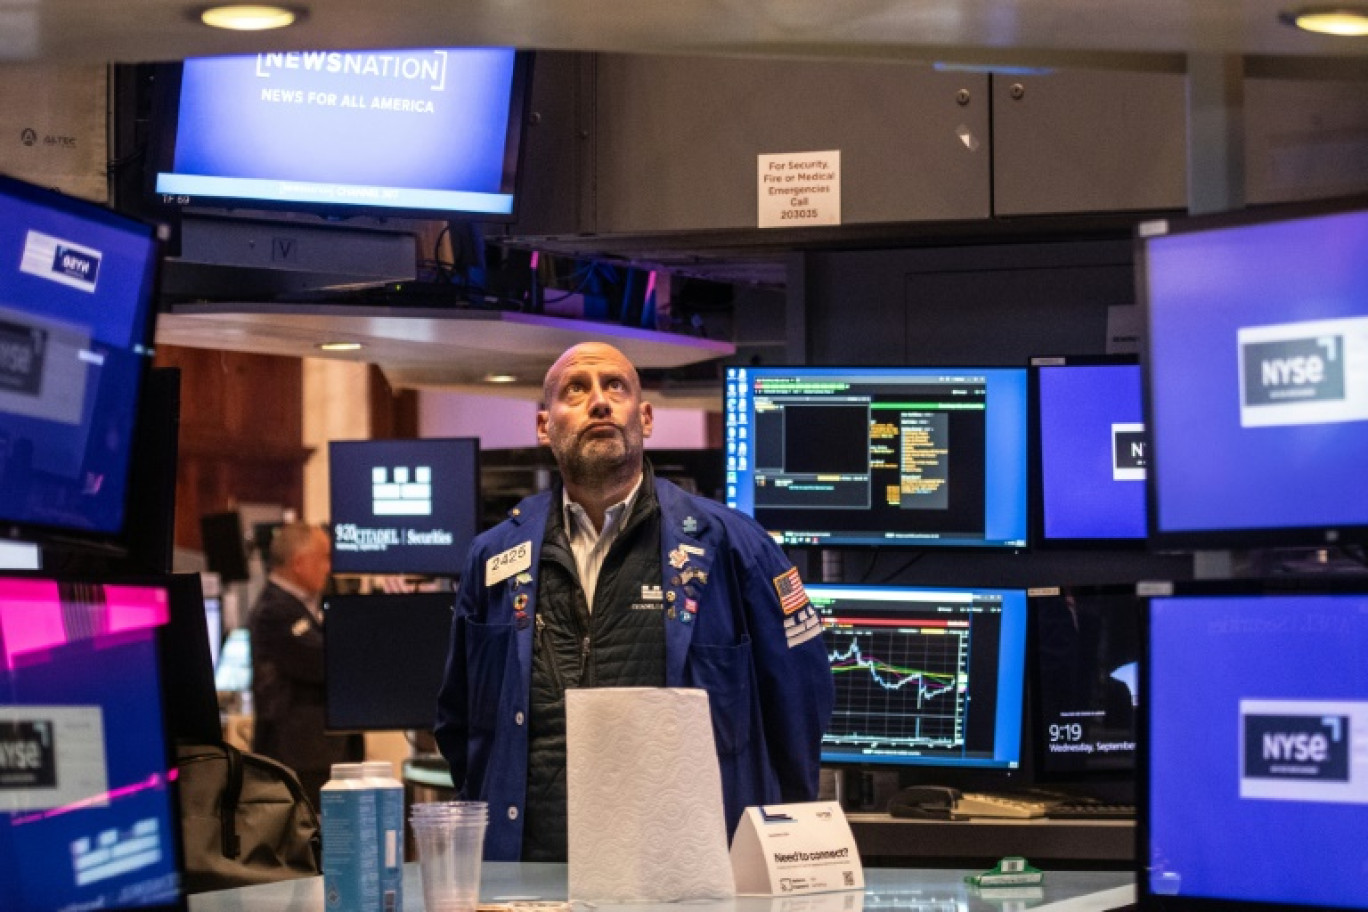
[{"x": 244, "y": 819}]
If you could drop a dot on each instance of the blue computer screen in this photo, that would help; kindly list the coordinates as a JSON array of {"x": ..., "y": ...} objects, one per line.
[
  {"x": 1258, "y": 761},
  {"x": 1092, "y": 451},
  {"x": 416, "y": 129},
  {"x": 1258, "y": 380},
  {"x": 924, "y": 676},
  {"x": 233, "y": 665},
  {"x": 893, "y": 457},
  {"x": 87, "y": 819},
  {"x": 76, "y": 291}
]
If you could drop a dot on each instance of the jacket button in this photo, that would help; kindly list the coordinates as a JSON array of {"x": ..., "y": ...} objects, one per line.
[
  {"x": 512, "y": 812},
  {"x": 518, "y": 718}
]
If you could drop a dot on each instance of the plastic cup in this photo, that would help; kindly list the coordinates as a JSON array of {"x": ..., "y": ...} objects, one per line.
[
  {"x": 457, "y": 811},
  {"x": 450, "y": 847}
]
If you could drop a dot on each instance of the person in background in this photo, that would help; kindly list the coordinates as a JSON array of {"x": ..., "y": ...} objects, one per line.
[
  {"x": 286, "y": 625},
  {"x": 616, "y": 578}
]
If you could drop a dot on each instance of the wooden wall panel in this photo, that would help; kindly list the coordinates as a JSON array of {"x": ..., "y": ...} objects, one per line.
[
  {"x": 241, "y": 429},
  {"x": 394, "y": 412}
]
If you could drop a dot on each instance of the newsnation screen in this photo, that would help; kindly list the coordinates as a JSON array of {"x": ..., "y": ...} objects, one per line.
[
  {"x": 415, "y": 130},
  {"x": 404, "y": 506}
]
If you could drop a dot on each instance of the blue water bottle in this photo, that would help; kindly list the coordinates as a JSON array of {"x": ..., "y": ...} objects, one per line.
[
  {"x": 351, "y": 850},
  {"x": 379, "y": 775}
]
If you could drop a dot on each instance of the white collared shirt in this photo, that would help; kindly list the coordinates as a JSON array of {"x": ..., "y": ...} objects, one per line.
[{"x": 590, "y": 545}]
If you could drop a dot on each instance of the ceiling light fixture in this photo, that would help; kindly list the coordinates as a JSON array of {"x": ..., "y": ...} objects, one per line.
[
  {"x": 245, "y": 17},
  {"x": 1330, "y": 20},
  {"x": 339, "y": 346},
  {"x": 500, "y": 378}
]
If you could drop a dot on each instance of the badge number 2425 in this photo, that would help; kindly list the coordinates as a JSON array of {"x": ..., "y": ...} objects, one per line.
[{"x": 503, "y": 565}]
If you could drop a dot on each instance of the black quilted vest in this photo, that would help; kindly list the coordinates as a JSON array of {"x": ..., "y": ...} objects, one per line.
[{"x": 620, "y": 644}]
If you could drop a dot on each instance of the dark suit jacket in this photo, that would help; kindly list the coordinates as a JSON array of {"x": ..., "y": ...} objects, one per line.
[{"x": 287, "y": 686}]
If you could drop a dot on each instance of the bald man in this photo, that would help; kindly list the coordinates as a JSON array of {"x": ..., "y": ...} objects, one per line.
[{"x": 616, "y": 578}]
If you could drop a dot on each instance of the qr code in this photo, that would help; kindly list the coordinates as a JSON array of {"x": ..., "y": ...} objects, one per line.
[{"x": 849, "y": 878}]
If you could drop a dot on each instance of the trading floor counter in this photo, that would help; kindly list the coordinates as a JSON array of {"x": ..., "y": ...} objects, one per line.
[{"x": 906, "y": 890}]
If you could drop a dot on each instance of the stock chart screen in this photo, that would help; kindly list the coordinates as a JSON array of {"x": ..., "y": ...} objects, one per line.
[{"x": 924, "y": 676}]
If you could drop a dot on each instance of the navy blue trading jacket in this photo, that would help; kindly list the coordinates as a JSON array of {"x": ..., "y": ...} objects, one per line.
[{"x": 738, "y": 625}]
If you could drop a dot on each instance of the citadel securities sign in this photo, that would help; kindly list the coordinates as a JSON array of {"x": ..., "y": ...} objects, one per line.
[{"x": 799, "y": 188}]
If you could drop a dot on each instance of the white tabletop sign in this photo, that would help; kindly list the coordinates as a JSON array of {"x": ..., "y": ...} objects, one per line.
[
  {"x": 800, "y": 188},
  {"x": 785, "y": 849}
]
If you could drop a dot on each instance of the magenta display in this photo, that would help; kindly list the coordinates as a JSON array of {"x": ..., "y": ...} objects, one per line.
[{"x": 87, "y": 820}]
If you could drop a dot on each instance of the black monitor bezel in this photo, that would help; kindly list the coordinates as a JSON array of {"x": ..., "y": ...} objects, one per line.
[
  {"x": 165, "y": 116},
  {"x": 1290, "y": 585},
  {"x": 1034, "y": 694},
  {"x": 1036, "y": 484},
  {"x": 116, "y": 543},
  {"x": 1160, "y": 539},
  {"x": 378, "y": 602}
]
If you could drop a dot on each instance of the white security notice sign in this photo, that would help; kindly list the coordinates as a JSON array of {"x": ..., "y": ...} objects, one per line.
[
  {"x": 786, "y": 849},
  {"x": 800, "y": 188}
]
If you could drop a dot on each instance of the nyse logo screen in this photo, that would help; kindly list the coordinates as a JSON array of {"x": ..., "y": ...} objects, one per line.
[
  {"x": 1298, "y": 747},
  {"x": 1128, "y": 452},
  {"x": 27, "y": 755},
  {"x": 1304, "y": 750},
  {"x": 1314, "y": 372},
  {"x": 1300, "y": 370}
]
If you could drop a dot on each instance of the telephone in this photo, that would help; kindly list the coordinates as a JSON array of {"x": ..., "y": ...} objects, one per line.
[
  {"x": 927, "y": 802},
  {"x": 939, "y": 802}
]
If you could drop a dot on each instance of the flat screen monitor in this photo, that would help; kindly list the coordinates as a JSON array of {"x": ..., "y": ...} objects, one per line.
[
  {"x": 76, "y": 291},
  {"x": 1083, "y": 668},
  {"x": 383, "y": 659},
  {"x": 403, "y": 506},
  {"x": 1256, "y": 778},
  {"x": 928, "y": 677},
  {"x": 880, "y": 456},
  {"x": 213, "y": 622},
  {"x": 1090, "y": 451},
  {"x": 428, "y": 132},
  {"x": 188, "y": 646},
  {"x": 88, "y": 817},
  {"x": 233, "y": 670},
  {"x": 1257, "y": 377},
  {"x": 225, "y": 548}
]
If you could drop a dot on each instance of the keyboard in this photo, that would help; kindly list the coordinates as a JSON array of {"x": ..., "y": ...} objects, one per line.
[
  {"x": 1091, "y": 810},
  {"x": 985, "y": 804}
]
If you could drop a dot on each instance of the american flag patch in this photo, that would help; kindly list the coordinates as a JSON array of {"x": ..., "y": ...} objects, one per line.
[{"x": 790, "y": 589}]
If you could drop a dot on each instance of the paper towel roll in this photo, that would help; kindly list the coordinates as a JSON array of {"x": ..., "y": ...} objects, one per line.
[{"x": 646, "y": 822}]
